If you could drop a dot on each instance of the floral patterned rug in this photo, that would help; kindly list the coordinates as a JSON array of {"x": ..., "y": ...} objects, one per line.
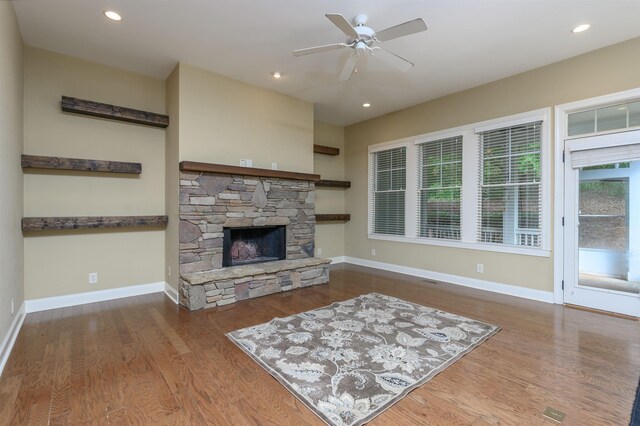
[{"x": 350, "y": 361}]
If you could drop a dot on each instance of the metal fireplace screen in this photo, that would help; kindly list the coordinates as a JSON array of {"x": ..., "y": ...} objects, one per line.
[{"x": 242, "y": 246}]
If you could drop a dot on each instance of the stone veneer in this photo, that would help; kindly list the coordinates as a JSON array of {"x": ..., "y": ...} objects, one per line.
[
  {"x": 220, "y": 287},
  {"x": 210, "y": 202}
]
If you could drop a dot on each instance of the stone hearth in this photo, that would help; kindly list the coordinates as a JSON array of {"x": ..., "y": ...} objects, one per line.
[
  {"x": 220, "y": 287},
  {"x": 211, "y": 202}
]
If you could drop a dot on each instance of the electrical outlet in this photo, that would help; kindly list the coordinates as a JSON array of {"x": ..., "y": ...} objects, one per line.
[
  {"x": 93, "y": 278},
  {"x": 373, "y": 252},
  {"x": 169, "y": 270},
  {"x": 274, "y": 166},
  {"x": 480, "y": 268},
  {"x": 249, "y": 162},
  {"x": 12, "y": 307},
  {"x": 243, "y": 162},
  {"x": 319, "y": 251}
]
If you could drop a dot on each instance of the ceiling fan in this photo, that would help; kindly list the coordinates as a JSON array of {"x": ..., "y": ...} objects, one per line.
[{"x": 361, "y": 39}]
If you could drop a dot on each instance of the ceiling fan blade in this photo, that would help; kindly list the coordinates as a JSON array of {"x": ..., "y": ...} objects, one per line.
[
  {"x": 410, "y": 27},
  {"x": 349, "y": 67},
  {"x": 318, "y": 49},
  {"x": 394, "y": 60},
  {"x": 342, "y": 23}
]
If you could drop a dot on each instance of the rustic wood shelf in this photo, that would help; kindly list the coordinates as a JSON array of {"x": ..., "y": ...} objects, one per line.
[
  {"x": 193, "y": 166},
  {"x": 91, "y": 222},
  {"x": 113, "y": 112},
  {"x": 325, "y": 150},
  {"x": 333, "y": 217},
  {"x": 325, "y": 183},
  {"x": 79, "y": 164}
]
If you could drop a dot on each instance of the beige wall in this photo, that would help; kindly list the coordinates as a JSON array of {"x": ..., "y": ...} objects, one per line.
[
  {"x": 220, "y": 120},
  {"x": 330, "y": 235},
  {"x": 58, "y": 263},
  {"x": 11, "y": 252},
  {"x": 604, "y": 71},
  {"x": 172, "y": 187},
  {"x": 223, "y": 120}
]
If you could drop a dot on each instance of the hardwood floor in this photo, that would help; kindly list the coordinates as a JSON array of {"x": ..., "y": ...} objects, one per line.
[{"x": 143, "y": 360}]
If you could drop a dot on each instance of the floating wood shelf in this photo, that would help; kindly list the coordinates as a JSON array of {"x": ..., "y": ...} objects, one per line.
[
  {"x": 91, "y": 222},
  {"x": 193, "y": 166},
  {"x": 113, "y": 112},
  {"x": 79, "y": 164},
  {"x": 325, "y": 150},
  {"x": 324, "y": 183},
  {"x": 333, "y": 217}
]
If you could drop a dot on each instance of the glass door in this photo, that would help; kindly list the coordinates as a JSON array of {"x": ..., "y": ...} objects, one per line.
[{"x": 602, "y": 222}]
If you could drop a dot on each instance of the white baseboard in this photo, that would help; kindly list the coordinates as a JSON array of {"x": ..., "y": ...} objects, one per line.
[
  {"x": 337, "y": 259},
  {"x": 171, "y": 292},
  {"x": 46, "y": 303},
  {"x": 511, "y": 290},
  {"x": 10, "y": 337}
]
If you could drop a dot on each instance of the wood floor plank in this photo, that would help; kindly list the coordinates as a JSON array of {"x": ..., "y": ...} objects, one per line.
[
  {"x": 144, "y": 360},
  {"x": 189, "y": 392},
  {"x": 148, "y": 398},
  {"x": 117, "y": 417},
  {"x": 170, "y": 333},
  {"x": 78, "y": 404},
  {"x": 60, "y": 396},
  {"x": 102, "y": 367},
  {"x": 42, "y": 388},
  {"x": 9, "y": 389}
]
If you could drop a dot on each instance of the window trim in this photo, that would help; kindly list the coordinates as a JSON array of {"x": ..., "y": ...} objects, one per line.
[
  {"x": 498, "y": 248},
  {"x": 481, "y": 161},
  {"x": 561, "y": 135},
  {"x": 371, "y": 198},
  {"x": 469, "y": 193},
  {"x": 419, "y": 145}
]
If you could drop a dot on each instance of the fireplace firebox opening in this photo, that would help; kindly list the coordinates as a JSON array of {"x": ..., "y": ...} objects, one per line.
[{"x": 256, "y": 244}]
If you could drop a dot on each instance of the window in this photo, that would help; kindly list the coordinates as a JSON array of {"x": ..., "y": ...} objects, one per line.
[
  {"x": 440, "y": 188},
  {"x": 604, "y": 119},
  {"x": 510, "y": 185},
  {"x": 389, "y": 181},
  {"x": 481, "y": 186}
]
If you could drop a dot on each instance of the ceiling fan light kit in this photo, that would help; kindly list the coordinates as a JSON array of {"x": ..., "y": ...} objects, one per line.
[{"x": 362, "y": 39}]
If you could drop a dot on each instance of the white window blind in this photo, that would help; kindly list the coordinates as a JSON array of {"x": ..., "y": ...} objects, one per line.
[
  {"x": 601, "y": 156},
  {"x": 439, "y": 188},
  {"x": 389, "y": 183},
  {"x": 510, "y": 207}
]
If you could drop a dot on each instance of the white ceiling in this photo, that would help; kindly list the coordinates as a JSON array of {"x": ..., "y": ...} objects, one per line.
[{"x": 468, "y": 42}]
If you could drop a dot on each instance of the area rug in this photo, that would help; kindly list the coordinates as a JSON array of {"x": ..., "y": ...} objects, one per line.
[
  {"x": 350, "y": 361},
  {"x": 635, "y": 411}
]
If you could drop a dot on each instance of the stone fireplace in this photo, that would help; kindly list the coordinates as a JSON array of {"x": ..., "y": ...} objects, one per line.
[{"x": 245, "y": 233}]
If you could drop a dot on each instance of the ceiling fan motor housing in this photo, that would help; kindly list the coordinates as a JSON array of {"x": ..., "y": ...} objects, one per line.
[{"x": 365, "y": 35}]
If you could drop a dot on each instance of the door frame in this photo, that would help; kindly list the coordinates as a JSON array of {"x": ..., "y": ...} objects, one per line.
[
  {"x": 596, "y": 298},
  {"x": 560, "y": 134}
]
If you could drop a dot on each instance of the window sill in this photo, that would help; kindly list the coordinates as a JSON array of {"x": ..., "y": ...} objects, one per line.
[{"x": 499, "y": 248}]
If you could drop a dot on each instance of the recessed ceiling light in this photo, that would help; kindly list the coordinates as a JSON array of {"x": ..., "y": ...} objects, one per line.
[
  {"x": 580, "y": 28},
  {"x": 114, "y": 16},
  {"x": 277, "y": 75},
  {"x": 366, "y": 105}
]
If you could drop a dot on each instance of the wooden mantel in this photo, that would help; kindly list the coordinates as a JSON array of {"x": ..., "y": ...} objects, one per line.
[{"x": 194, "y": 166}]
